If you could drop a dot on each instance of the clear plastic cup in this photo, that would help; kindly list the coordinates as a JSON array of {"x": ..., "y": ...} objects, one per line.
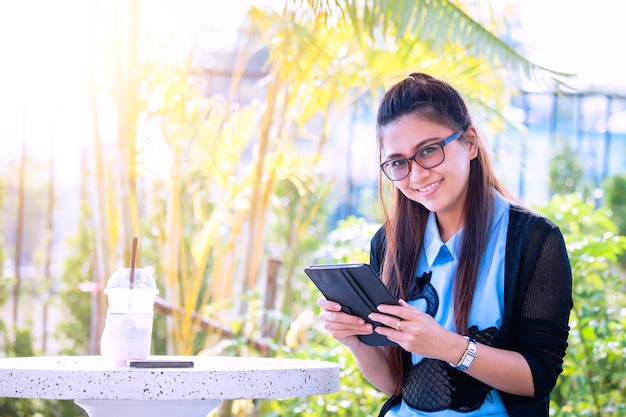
[{"x": 127, "y": 331}]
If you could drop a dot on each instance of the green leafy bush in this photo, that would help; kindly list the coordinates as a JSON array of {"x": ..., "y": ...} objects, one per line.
[{"x": 594, "y": 377}]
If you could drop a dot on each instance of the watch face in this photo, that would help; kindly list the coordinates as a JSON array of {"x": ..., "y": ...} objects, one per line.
[
  {"x": 468, "y": 357},
  {"x": 467, "y": 361}
]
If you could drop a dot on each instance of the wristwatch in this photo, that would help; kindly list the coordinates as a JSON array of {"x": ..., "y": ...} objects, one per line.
[{"x": 468, "y": 357}]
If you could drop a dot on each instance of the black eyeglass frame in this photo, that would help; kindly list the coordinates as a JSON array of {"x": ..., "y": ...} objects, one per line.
[{"x": 441, "y": 144}]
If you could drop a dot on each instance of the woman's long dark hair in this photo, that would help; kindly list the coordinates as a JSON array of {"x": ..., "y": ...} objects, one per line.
[{"x": 405, "y": 220}]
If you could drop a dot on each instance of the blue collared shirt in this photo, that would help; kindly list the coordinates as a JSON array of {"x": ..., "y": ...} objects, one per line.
[{"x": 441, "y": 258}]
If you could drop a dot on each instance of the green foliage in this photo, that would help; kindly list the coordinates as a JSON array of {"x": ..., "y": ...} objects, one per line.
[
  {"x": 615, "y": 193},
  {"x": 615, "y": 197},
  {"x": 2, "y": 191},
  {"x": 74, "y": 334},
  {"x": 348, "y": 243},
  {"x": 17, "y": 342},
  {"x": 5, "y": 285},
  {"x": 594, "y": 376},
  {"x": 566, "y": 169}
]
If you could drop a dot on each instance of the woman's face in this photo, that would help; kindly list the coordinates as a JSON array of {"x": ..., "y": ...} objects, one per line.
[{"x": 441, "y": 189}]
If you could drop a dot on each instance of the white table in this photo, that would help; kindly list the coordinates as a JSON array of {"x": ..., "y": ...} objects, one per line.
[{"x": 103, "y": 389}]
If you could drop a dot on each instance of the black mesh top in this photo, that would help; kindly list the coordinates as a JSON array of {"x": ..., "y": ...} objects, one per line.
[{"x": 538, "y": 301}]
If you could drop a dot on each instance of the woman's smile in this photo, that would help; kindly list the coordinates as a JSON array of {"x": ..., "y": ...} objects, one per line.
[{"x": 429, "y": 187}]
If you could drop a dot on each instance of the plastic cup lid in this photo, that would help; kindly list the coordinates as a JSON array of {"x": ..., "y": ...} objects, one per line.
[{"x": 120, "y": 279}]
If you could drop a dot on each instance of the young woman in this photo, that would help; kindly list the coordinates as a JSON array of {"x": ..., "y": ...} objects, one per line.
[{"x": 487, "y": 283}]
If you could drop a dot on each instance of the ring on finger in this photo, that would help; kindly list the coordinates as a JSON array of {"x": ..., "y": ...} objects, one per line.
[{"x": 398, "y": 325}]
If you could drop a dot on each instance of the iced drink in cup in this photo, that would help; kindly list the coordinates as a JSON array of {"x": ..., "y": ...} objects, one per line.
[{"x": 127, "y": 331}]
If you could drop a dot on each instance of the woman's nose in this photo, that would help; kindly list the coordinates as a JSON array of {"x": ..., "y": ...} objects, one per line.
[{"x": 416, "y": 170}]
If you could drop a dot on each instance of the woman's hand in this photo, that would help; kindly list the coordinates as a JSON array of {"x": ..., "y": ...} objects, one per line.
[
  {"x": 342, "y": 326},
  {"x": 417, "y": 332}
]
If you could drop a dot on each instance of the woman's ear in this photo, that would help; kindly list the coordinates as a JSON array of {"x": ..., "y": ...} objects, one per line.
[{"x": 471, "y": 135}]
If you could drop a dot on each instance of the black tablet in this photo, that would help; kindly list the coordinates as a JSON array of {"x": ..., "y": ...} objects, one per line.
[{"x": 358, "y": 289}]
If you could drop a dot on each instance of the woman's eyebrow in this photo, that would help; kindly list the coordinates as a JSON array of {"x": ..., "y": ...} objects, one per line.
[{"x": 416, "y": 148}]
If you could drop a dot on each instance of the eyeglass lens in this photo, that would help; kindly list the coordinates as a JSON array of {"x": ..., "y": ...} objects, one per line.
[{"x": 427, "y": 157}]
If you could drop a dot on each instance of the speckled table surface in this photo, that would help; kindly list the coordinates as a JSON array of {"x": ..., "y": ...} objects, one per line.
[{"x": 98, "y": 385}]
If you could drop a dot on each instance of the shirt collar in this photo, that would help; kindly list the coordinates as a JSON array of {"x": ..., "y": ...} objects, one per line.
[
  {"x": 432, "y": 238},
  {"x": 433, "y": 242}
]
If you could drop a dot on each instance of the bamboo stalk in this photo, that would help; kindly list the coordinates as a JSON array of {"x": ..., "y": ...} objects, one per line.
[
  {"x": 47, "y": 250},
  {"x": 19, "y": 233}
]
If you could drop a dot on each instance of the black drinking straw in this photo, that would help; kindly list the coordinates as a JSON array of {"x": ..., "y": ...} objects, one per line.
[{"x": 133, "y": 254}]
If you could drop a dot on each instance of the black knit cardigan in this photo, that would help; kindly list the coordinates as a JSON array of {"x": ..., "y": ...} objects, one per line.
[{"x": 537, "y": 303}]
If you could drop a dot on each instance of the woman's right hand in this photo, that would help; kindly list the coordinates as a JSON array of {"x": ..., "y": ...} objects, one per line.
[
  {"x": 342, "y": 326},
  {"x": 372, "y": 360}
]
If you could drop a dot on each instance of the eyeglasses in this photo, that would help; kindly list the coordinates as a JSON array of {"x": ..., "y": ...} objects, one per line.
[{"x": 427, "y": 157}]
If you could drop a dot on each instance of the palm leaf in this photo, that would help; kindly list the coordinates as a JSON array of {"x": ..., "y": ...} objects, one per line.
[{"x": 434, "y": 23}]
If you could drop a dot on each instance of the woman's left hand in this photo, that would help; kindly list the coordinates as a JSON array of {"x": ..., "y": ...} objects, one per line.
[{"x": 414, "y": 331}]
